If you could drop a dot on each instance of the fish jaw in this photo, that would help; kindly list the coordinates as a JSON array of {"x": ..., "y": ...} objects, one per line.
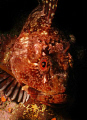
[{"x": 42, "y": 97}]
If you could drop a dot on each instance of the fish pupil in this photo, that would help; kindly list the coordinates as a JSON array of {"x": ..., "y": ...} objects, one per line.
[{"x": 43, "y": 64}]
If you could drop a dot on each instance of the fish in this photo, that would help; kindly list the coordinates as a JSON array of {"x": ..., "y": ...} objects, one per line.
[{"x": 36, "y": 64}]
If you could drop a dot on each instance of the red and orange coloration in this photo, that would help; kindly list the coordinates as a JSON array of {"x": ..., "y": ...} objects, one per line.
[{"x": 40, "y": 59}]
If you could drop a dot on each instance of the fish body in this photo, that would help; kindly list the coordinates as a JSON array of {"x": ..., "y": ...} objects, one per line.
[{"x": 39, "y": 59}]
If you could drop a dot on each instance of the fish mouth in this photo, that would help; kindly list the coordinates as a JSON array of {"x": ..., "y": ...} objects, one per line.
[
  {"x": 32, "y": 90},
  {"x": 45, "y": 97},
  {"x": 52, "y": 98}
]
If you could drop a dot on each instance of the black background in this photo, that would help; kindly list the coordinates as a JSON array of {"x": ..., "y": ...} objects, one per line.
[{"x": 71, "y": 16}]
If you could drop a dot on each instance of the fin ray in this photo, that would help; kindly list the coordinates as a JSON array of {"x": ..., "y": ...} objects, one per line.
[
  {"x": 15, "y": 92},
  {"x": 27, "y": 98},
  {"x": 20, "y": 96},
  {"x": 4, "y": 84},
  {"x": 10, "y": 88},
  {"x": 24, "y": 97}
]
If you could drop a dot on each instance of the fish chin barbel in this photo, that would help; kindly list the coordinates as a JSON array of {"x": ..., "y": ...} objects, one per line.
[{"x": 40, "y": 59}]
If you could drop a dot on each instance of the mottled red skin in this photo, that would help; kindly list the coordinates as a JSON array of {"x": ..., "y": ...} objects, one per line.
[
  {"x": 28, "y": 53},
  {"x": 40, "y": 57}
]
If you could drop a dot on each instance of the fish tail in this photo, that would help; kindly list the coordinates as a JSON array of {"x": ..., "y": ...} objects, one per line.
[{"x": 12, "y": 88}]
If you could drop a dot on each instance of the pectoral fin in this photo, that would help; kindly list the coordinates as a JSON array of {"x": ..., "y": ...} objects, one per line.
[{"x": 12, "y": 88}]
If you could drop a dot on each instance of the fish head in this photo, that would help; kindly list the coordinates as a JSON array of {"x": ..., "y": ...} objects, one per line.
[{"x": 41, "y": 61}]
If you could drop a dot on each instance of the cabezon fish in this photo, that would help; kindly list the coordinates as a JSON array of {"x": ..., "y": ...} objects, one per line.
[{"x": 38, "y": 59}]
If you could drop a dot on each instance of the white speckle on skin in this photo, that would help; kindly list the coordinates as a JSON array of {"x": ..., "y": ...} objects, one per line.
[
  {"x": 24, "y": 41},
  {"x": 49, "y": 4},
  {"x": 16, "y": 53},
  {"x": 52, "y": 76},
  {"x": 21, "y": 40},
  {"x": 35, "y": 64},
  {"x": 52, "y": 14},
  {"x": 44, "y": 33},
  {"x": 46, "y": 1},
  {"x": 53, "y": 7},
  {"x": 44, "y": 79},
  {"x": 43, "y": 53},
  {"x": 29, "y": 61}
]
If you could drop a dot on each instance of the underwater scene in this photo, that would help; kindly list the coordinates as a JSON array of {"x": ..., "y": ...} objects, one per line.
[{"x": 42, "y": 59}]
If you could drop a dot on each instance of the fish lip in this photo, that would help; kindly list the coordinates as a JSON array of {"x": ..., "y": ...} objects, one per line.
[
  {"x": 43, "y": 97},
  {"x": 44, "y": 93}
]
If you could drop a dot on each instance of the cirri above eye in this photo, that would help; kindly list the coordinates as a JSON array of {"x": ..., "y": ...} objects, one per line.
[{"x": 43, "y": 64}]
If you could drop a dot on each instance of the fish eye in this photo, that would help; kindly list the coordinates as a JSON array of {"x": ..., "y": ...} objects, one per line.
[{"x": 43, "y": 64}]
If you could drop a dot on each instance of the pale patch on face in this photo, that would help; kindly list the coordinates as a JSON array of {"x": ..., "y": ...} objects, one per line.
[
  {"x": 21, "y": 52},
  {"x": 24, "y": 41},
  {"x": 36, "y": 48},
  {"x": 35, "y": 64}
]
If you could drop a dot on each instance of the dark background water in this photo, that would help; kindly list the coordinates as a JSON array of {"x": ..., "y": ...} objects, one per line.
[{"x": 71, "y": 16}]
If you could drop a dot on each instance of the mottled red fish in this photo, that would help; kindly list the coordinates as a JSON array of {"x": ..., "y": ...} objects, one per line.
[{"x": 36, "y": 64}]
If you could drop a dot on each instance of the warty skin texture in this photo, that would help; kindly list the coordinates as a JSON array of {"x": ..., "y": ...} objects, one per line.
[{"x": 39, "y": 58}]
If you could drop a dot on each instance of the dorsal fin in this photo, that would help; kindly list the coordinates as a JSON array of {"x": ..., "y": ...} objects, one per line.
[
  {"x": 49, "y": 8},
  {"x": 41, "y": 17}
]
